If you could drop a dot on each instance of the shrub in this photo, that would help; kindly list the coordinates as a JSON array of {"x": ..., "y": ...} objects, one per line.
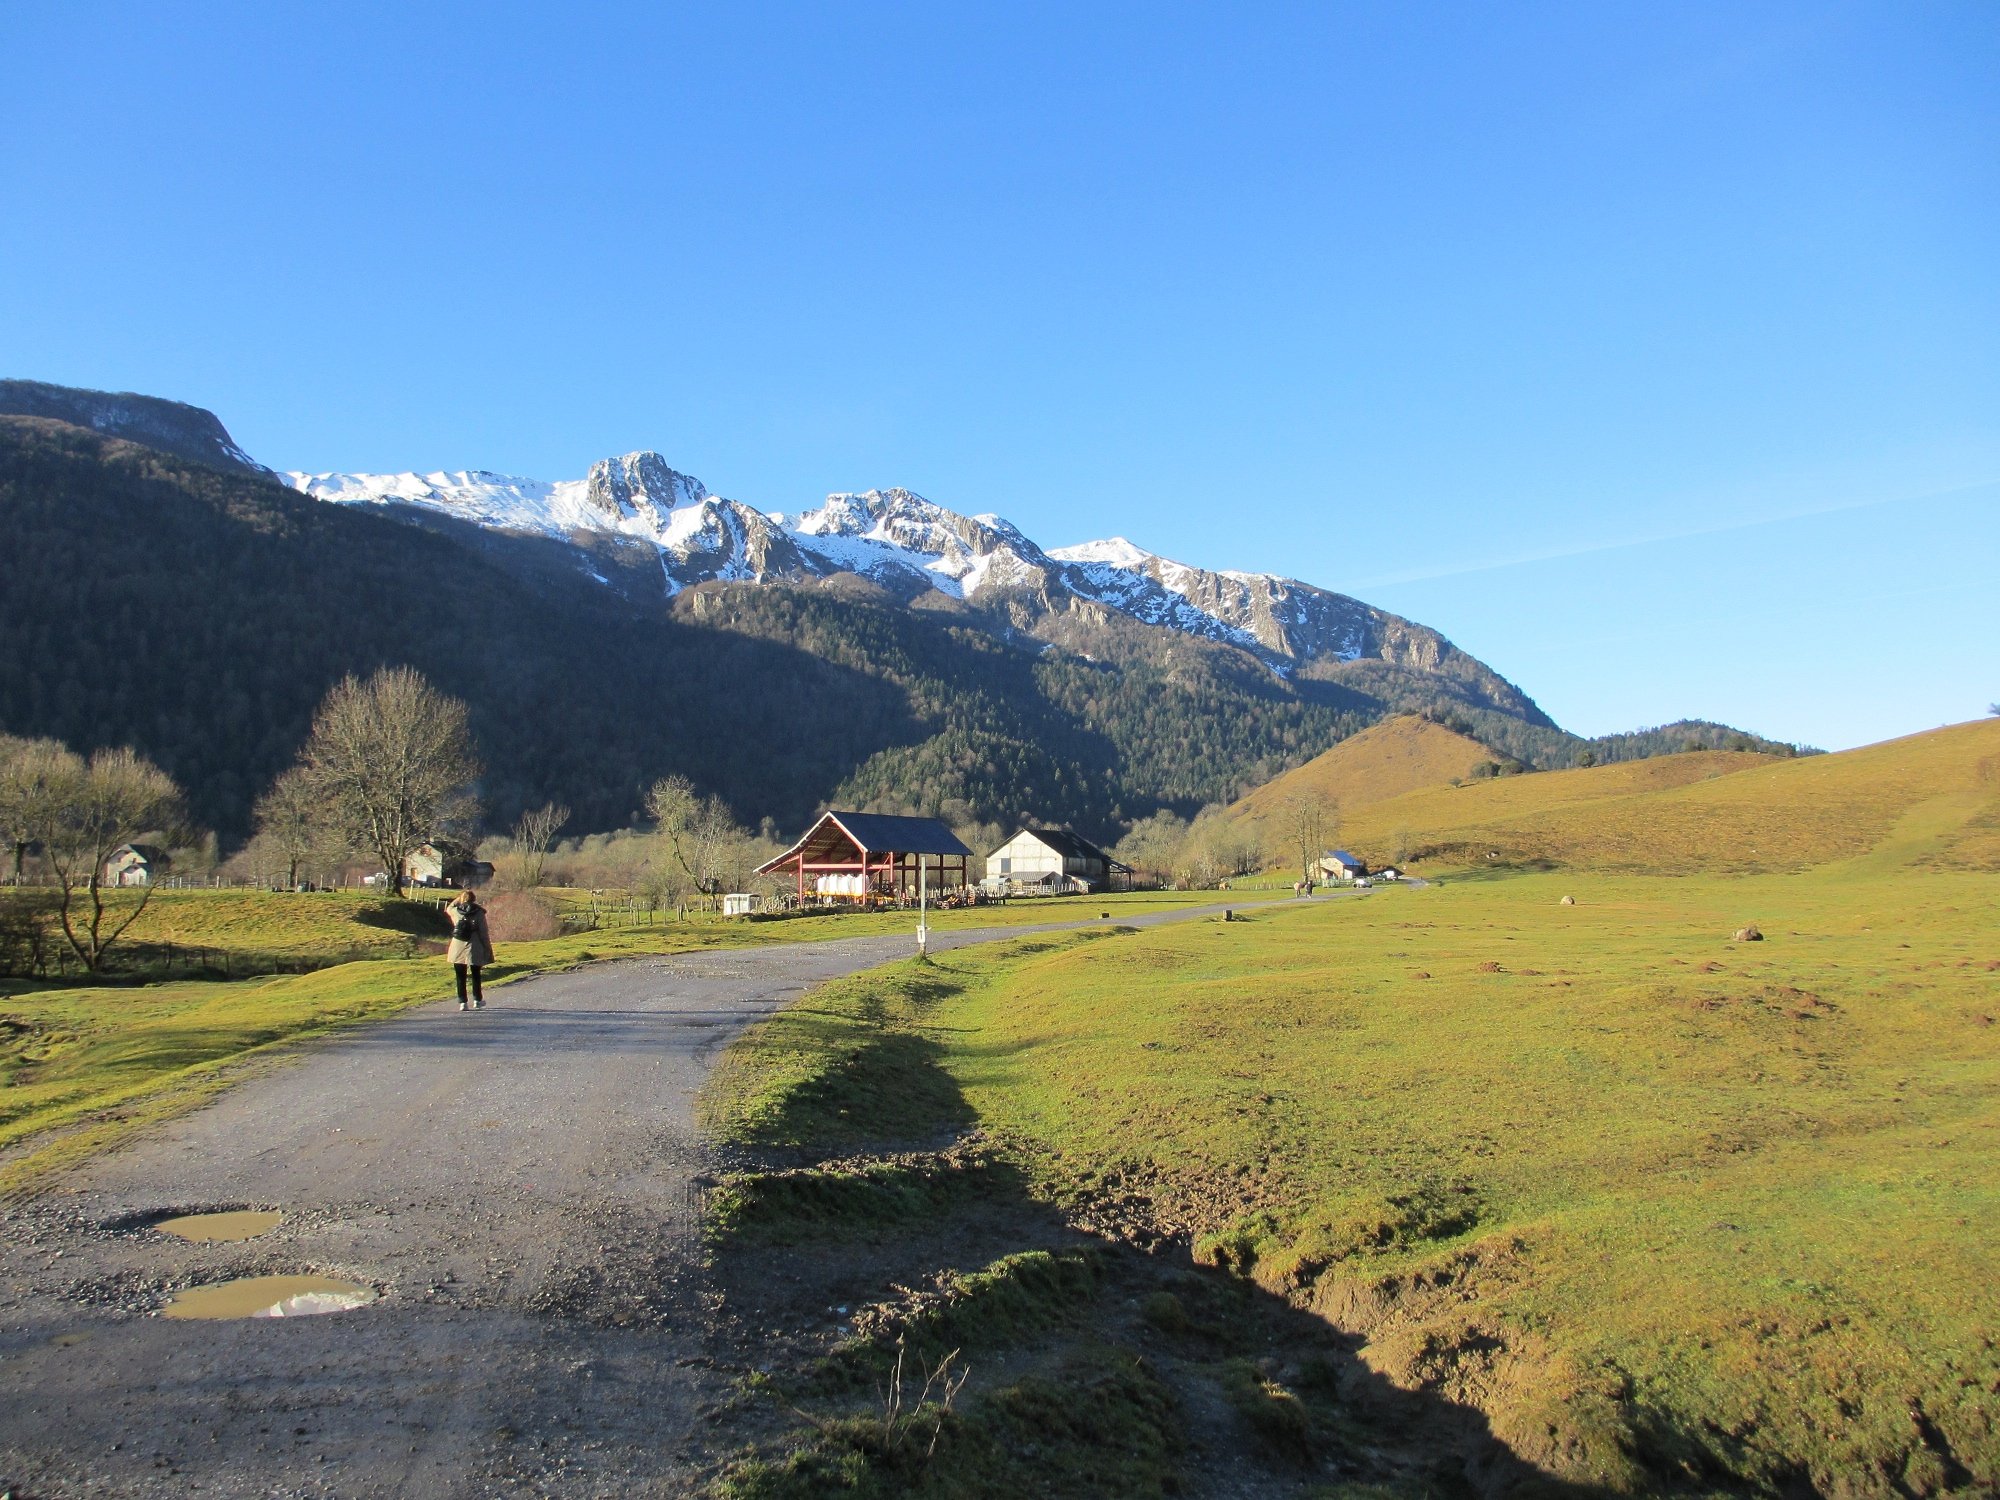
[{"x": 521, "y": 917}]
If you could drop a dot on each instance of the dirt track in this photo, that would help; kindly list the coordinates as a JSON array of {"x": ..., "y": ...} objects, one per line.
[{"x": 517, "y": 1181}]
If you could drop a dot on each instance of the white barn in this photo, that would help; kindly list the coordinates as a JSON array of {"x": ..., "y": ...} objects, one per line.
[{"x": 1050, "y": 859}]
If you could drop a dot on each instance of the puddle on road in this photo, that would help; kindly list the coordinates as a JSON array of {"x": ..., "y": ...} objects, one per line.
[
  {"x": 270, "y": 1297},
  {"x": 245, "y": 1224}
]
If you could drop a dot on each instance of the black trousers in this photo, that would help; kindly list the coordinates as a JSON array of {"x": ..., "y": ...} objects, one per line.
[{"x": 461, "y": 970}]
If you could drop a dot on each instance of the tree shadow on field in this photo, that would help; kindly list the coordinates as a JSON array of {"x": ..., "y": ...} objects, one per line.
[{"x": 861, "y": 1281}]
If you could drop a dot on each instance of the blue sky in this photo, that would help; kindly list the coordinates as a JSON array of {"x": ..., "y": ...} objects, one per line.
[{"x": 1650, "y": 352}]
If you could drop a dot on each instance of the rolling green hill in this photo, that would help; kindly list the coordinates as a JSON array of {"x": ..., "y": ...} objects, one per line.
[{"x": 1932, "y": 797}]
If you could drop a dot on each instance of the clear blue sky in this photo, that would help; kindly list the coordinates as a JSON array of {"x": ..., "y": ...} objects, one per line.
[{"x": 1650, "y": 352}]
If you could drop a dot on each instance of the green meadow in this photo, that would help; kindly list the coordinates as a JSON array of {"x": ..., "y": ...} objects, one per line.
[
  {"x": 1673, "y": 1212},
  {"x": 1661, "y": 1204}
]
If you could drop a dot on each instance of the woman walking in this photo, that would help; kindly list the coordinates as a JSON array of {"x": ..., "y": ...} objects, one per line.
[{"x": 471, "y": 945}]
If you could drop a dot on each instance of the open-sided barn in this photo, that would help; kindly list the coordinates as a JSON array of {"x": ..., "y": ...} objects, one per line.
[{"x": 848, "y": 856}]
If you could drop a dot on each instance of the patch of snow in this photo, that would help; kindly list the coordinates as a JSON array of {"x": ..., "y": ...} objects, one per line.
[{"x": 1114, "y": 551}]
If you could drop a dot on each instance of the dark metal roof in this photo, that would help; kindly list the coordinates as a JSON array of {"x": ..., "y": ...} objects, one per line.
[
  {"x": 1340, "y": 857},
  {"x": 883, "y": 833},
  {"x": 877, "y": 833}
]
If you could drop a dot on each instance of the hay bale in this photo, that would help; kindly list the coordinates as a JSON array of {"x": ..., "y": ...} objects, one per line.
[{"x": 1569, "y": 901}]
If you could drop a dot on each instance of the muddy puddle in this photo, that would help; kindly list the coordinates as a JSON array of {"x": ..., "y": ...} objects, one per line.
[
  {"x": 209, "y": 1229},
  {"x": 270, "y": 1297}
]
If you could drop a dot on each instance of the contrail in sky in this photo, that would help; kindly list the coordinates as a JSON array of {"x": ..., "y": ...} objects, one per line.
[{"x": 1584, "y": 549}]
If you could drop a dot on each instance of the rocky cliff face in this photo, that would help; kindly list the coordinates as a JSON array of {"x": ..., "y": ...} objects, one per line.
[
  {"x": 639, "y": 484},
  {"x": 891, "y": 534},
  {"x": 170, "y": 426}
]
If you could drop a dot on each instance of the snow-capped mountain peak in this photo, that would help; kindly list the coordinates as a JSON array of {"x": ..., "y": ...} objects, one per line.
[
  {"x": 905, "y": 543},
  {"x": 1113, "y": 551},
  {"x": 1293, "y": 620},
  {"x": 637, "y": 483},
  {"x": 897, "y": 531}
]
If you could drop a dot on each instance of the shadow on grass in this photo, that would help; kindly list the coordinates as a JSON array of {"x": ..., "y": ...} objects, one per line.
[
  {"x": 996, "y": 1350},
  {"x": 891, "y": 1087}
]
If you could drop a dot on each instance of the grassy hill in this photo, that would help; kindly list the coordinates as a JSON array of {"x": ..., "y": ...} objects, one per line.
[
  {"x": 1930, "y": 798},
  {"x": 1403, "y": 754}
]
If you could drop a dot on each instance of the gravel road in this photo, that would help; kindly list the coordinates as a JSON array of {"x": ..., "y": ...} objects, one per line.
[{"x": 519, "y": 1184}]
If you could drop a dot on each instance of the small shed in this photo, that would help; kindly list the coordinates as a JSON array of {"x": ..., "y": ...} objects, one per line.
[
  {"x": 1033, "y": 854},
  {"x": 136, "y": 864},
  {"x": 1338, "y": 864},
  {"x": 864, "y": 857},
  {"x": 741, "y": 903}
]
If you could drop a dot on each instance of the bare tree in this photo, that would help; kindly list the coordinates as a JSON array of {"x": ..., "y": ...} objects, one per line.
[
  {"x": 698, "y": 829},
  {"x": 392, "y": 762},
  {"x": 291, "y": 820},
  {"x": 534, "y": 832},
  {"x": 26, "y": 769},
  {"x": 1215, "y": 849},
  {"x": 1152, "y": 843},
  {"x": 1308, "y": 824},
  {"x": 86, "y": 811}
]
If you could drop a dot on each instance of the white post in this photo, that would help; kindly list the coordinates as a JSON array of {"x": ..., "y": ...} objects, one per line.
[{"x": 923, "y": 931}]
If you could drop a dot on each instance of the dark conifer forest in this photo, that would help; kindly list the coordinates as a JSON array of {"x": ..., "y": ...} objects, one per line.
[{"x": 200, "y": 616}]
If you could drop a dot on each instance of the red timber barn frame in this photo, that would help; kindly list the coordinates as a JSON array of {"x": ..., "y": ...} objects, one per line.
[{"x": 872, "y": 856}]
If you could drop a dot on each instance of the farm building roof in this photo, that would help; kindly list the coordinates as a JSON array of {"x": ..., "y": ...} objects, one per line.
[
  {"x": 1073, "y": 846},
  {"x": 874, "y": 833}
]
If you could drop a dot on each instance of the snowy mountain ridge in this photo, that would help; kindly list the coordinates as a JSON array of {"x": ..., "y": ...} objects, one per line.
[{"x": 905, "y": 544}]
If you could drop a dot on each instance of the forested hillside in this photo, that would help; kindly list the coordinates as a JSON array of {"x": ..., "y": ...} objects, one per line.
[{"x": 200, "y": 616}]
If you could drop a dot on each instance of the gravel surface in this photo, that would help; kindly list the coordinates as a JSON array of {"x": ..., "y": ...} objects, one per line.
[{"x": 520, "y": 1183}]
